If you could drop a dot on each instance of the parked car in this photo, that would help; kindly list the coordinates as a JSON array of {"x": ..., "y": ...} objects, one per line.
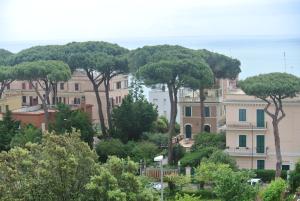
[{"x": 255, "y": 181}]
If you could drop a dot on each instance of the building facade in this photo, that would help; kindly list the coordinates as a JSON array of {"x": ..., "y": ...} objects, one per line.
[
  {"x": 249, "y": 132},
  {"x": 190, "y": 115},
  {"x": 73, "y": 92}
]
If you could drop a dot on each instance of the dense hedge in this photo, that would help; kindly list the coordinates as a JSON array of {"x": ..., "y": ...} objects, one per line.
[
  {"x": 268, "y": 175},
  {"x": 203, "y": 193}
]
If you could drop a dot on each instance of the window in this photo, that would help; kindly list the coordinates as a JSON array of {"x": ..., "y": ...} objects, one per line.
[
  {"x": 206, "y": 112},
  {"x": 76, "y": 101},
  {"x": 117, "y": 100},
  {"x": 242, "y": 140},
  {"x": 30, "y": 85},
  {"x": 76, "y": 87},
  {"x": 155, "y": 100},
  {"x": 23, "y": 99},
  {"x": 62, "y": 86},
  {"x": 260, "y": 164},
  {"x": 118, "y": 85},
  {"x": 242, "y": 114},
  {"x": 188, "y": 111},
  {"x": 23, "y": 85},
  {"x": 8, "y": 86},
  {"x": 126, "y": 84},
  {"x": 285, "y": 167},
  {"x": 207, "y": 128}
]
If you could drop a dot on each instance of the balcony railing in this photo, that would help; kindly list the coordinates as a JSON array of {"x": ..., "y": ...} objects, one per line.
[
  {"x": 211, "y": 95},
  {"x": 247, "y": 151},
  {"x": 246, "y": 126}
]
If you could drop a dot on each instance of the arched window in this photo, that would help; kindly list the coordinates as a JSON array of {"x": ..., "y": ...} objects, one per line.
[
  {"x": 188, "y": 131},
  {"x": 207, "y": 128}
]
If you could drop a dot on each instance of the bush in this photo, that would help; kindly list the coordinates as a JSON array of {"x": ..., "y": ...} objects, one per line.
[
  {"x": 178, "y": 153},
  {"x": 268, "y": 175},
  {"x": 160, "y": 139},
  {"x": 294, "y": 179},
  {"x": 220, "y": 156},
  {"x": 203, "y": 193},
  {"x": 160, "y": 125},
  {"x": 209, "y": 140},
  {"x": 27, "y": 134},
  {"x": 143, "y": 150},
  {"x": 193, "y": 159},
  {"x": 186, "y": 197},
  {"x": 275, "y": 191},
  {"x": 111, "y": 147}
]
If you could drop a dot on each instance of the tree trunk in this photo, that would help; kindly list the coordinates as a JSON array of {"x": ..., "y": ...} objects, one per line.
[
  {"x": 100, "y": 112},
  {"x": 44, "y": 103},
  {"x": 2, "y": 89},
  {"x": 108, "y": 106},
  {"x": 202, "y": 99},
  {"x": 54, "y": 89},
  {"x": 171, "y": 130},
  {"x": 277, "y": 148}
]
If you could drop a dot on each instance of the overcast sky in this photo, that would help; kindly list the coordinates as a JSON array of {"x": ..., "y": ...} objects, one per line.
[{"x": 33, "y": 20}]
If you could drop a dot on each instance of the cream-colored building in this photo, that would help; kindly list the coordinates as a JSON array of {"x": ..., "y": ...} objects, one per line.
[
  {"x": 249, "y": 132},
  {"x": 73, "y": 92}
]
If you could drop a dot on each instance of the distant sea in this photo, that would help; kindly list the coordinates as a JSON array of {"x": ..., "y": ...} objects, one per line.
[{"x": 258, "y": 54}]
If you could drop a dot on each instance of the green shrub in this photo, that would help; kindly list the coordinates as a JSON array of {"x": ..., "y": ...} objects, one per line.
[
  {"x": 143, "y": 150},
  {"x": 209, "y": 140},
  {"x": 160, "y": 139},
  {"x": 268, "y": 175},
  {"x": 274, "y": 191},
  {"x": 111, "y": 147},
  {"x": 220, "y": 156},
  {"x": 178, "y": 153},
  {"x": 203, "y": 193},
  {"x": 194, "y": 158},
  {"x": 186, "y": 197},
  {"x": 160, "y": 125},
  {"x": 294, "y": 179}
]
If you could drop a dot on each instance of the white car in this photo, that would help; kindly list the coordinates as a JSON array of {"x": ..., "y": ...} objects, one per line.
[
  {"x": 255, "y": 181},
  {"x": 156, "y": 186}
]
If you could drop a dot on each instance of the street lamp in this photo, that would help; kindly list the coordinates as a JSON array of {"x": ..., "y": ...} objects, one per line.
[{"x": 160, "y": 159}]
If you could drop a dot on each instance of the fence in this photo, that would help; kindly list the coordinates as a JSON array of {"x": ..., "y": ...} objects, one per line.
[{"x": 155, "y": 172}]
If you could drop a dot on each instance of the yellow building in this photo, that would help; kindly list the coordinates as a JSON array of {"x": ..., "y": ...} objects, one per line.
[
  {"x": 10, "y": 103},
  {"x": 249, "y": 132}
]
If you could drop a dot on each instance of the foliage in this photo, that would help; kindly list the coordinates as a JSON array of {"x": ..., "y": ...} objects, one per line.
[
  {"x": 56, "y": 169},
  {"x": 194, "y": 158},
  {"x": 25, "y": 135},
  {"x": 186, "y": 197},
  {"x": 274, "y": 191},
  {"x": 117, "y": 181},
  {"x": 133, "y": 118},
  {"x": 144, "y": 150},
  {"x": 160, "y": 125},
  {"x": 220, "y": 156},
  {"x": 178, "y": 153},
  {"x": 8, "y": 129},
  {"x": 233, "y": 186},
  {"x": 228, "y": 184},
  {"x": 209, "y": 140},
  {"x": 269, "y": 175},
  {"x": 66, "y": 120},
  {"x": 160, "y": 139},
  {"x": 4, "y": 56},
  {"x": 110, "y": 147},
  {"x": 175, "y": 181},
  {"x": 294, "y": 179}
]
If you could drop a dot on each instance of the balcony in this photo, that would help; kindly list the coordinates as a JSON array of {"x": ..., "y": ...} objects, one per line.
[
  {"x": 246, "y": 126},
  {"x": 211, "y": 95},
  {"x": 246, "y": 151}
]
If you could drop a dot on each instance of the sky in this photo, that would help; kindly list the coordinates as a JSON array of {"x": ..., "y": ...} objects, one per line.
[
  {"x": 80, "y": 20},
  {"x": 257, "y": 32}
]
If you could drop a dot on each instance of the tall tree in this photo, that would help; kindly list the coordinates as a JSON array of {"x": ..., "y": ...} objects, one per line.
[
  {"x": 44, "y": 73},
  {"x": 168, "y": 65},
  {"x": 273, "y": 88},
  {"x": 223, "y": 67},
  {"x": 101, "y": 61},
  {"x": 8, "y": 129},
  {"x": 6, "y": 77}
]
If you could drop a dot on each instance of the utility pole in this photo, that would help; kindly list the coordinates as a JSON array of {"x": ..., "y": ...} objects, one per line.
[{"x": 284, "y": 60}]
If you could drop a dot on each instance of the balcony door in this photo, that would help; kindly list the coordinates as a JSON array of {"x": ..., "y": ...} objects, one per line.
[
  {"x": 260, "y": 118},
  {"x": 260, "y": 144}
]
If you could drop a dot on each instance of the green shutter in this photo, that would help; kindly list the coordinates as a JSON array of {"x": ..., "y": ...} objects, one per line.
[
  {"x": 260, "y": 118},
  {"x": 206, "y": 112},
  {"x": 188, "y": 111},
  {"x": 260, "y": 144},
  {"x": 242, "y": 114},
  {"x": 260, "y": 164},
  {"x": 242, "y": 140}
]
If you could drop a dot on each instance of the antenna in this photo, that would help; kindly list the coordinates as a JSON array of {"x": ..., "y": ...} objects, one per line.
[{"x": 284, "y": 60}]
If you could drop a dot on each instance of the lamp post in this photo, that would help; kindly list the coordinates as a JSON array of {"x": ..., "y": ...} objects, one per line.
[{"x": 160, "y": 159}]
